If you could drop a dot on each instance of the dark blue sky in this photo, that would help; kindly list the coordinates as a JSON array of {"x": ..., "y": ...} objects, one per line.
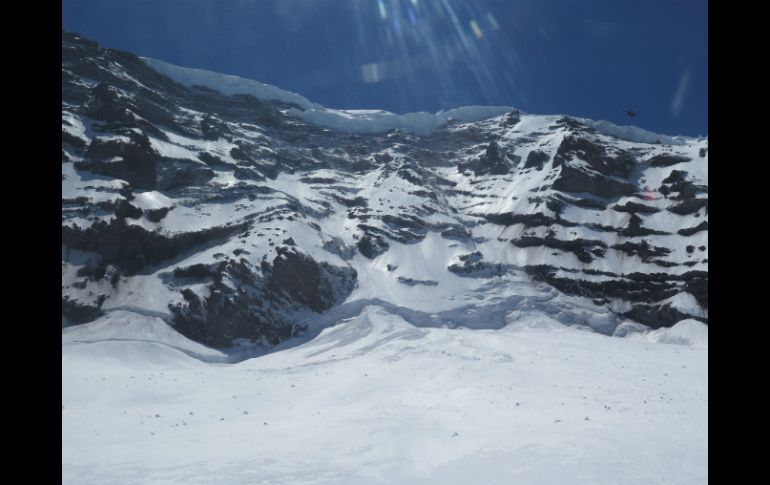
[{"x": 593, "y": 58}]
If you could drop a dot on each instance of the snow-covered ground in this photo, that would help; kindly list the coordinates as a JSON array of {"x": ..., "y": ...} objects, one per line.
[{"x": 375, "y": 399}]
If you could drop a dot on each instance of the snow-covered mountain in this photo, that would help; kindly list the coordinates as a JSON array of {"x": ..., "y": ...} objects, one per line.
[
  {"x": 245, "y": 215},
  {"x": 432, "y": 297}
]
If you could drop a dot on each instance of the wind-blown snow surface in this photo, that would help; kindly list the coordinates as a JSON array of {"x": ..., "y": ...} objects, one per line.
[
  {"x": 128, "y": 326},
  {"x": 375, "y": 399}
]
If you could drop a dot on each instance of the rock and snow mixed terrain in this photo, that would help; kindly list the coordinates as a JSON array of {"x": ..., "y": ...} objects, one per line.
[{"x": 435, "y": 297}]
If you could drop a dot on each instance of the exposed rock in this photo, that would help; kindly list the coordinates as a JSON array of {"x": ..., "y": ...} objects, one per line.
[
  {"x": 372, "y": 246},
  {"x": 77, "y": 143},
  {"x": 133, "y": 161},
  {"x": 177, "y": 173},
  {"x": 657, "y": 316},
  {"x": 644, "y": 250},
  {"x": 633, "y": 288},
  {"x": 213, "y": 129},
  {"x": 635, "y": 228},
  {"x": 472, "y": 257},
  {"x": 456, "y": 233},
  {"x": 634, "y": 207},
  {"x": 619, "y": 165},
  {"x": 157, "y": 215},
  {"x": 132, "y": 247},
  {"x": 511, "y": 119},
  {"x": 585, "y": 250},
  {"x": 676, "y": 186},
  {"x": 243, "y": 304},
  {"x": 337, "y": 246},
  {"x": 317, "y": 286},
  {"x": 689, "y": 231},
  {"x": 576, "y": 180},
  {"x": 476, "y": 268},
  {"x": 357, "y": 202},
  {"x": 493, "y": 162},
  {"x": 698, "y": 287},
  {"x": 689, "y": 206},
  {"x": 198, "y": 271},
  {"x": 536, "y": 159},
  {"x": 413, "y": 282},
  {"x": 666, "y": 160},
  {"x": 529, "y": 220},
  {"x": 214, "y": 161},
  {"x": 77, "y": 312}
]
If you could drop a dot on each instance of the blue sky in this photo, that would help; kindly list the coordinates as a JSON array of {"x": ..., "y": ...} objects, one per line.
[{"x": 592, "y": 58}]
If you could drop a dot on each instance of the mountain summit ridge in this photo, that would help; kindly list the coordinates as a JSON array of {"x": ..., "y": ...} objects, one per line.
[{"x": 377, "y": 120}]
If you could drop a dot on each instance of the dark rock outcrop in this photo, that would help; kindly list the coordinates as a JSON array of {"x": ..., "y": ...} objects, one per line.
[
  {"x": 413, "y": 282},
  {"x": 643, "y": 249},
  {"x": 372, "y": 246},
  {"x": 666, "y": 160},
  {"x": 493, "y": 162},
  {"x": 177, "y": 173},
  {"x": 133, "y": 160},
  {"x": 132, "y": 247},
  {"x": 536, "y": 159},
  {"x": 634, "y": 207},
  {"x": 595, "y": 155},
  {"x": 576, "y": 180},
  {"x": 689, "y": 206},
  {"x": 244, "y": 302},
  {"x": 689, "y": 231},
  {"x": 585, "y": 250}
]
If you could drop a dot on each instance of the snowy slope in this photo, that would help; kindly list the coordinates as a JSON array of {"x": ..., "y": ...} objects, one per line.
[
  {"x": 377, "y": 400},
  {"x": 128, "y": 326}
]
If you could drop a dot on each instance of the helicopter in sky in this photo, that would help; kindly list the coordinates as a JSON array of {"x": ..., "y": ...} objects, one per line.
[{"x": 631, "y": 112}]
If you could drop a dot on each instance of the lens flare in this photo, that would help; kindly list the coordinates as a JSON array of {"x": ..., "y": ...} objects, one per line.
[
  {"x": 493, "y": 21},
  {"x": 411, "y": 15},
  {"x": 370, "y": 73},
  {"x": 383, "y": 12},
  {"x": 476, "y": 30}
]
